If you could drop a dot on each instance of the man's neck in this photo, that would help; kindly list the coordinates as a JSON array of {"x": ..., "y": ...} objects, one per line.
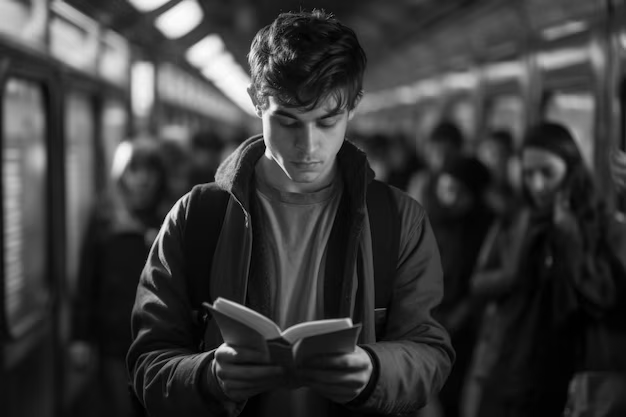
[{"x": 272, "y": 174}]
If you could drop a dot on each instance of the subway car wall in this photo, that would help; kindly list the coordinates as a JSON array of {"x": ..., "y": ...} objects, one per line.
[
  {"x": 65, "y": 101},
  {"x": 65, "y": 104}
]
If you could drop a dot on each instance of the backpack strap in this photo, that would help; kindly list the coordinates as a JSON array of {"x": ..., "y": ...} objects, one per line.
[
  {"x": 385, "y": 227},
  {"x": 205, "y": 216}
]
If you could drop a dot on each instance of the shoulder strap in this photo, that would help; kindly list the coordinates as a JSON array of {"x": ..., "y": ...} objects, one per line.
[
  {"x": 205, "y": 216},
  {"x": 385, "y": 226}
]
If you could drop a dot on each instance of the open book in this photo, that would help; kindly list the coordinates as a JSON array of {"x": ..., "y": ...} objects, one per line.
[{"x": 242, "y": 326}]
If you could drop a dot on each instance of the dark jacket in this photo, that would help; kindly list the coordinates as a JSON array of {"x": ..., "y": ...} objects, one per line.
[
  {"x": 560, "y": 284},
  {"x": 413, "y": 359}
]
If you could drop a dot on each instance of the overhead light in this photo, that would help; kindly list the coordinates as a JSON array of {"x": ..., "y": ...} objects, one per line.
[
  {"x": 461, "y": 80},
  {"x": 564, "y": 57},
  {"x": 204, "y": 51},
  {"x": 145, "y": 6},
  {"x": 220, "y": 66},
  {"x": 504, "y": 70},
  {"x": 142, "y": 88},
  {"x": 231, "y": 79},
  {"x": 566, "y": 29},
  {"x": 180, "y": 19}
]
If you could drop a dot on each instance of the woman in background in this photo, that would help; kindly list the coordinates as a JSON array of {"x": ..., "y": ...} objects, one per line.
[
  {"x": 559, "y": 275},
  {"x": 118, "y": 239}
]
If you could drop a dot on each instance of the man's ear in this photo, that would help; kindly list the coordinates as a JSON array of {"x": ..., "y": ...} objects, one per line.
[
  {"x": 353, "y": 110},
  {"x": 255, "y": 102}
]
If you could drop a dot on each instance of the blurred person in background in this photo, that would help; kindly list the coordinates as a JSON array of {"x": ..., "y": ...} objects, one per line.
[
  {"x": 403, "y": 162},
  {"x": 377, "y": 149},
  {"x": 206, "y": 155},
  {"x": 618, "y": 170},
  {"x": 444, "y": 142},
  {"x": 554, "y": 283},
  {"x": 117, "y": 243},
  {"x": 496, "y": 151},
  {"x": 460, "y": 220},
  {"x": 176, "y": 156}
]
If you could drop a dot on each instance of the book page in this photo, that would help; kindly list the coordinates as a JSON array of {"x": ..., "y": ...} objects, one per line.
[
  {"x": 236, "y": 333},
  {"x": 249, "y": 317},
  {"x": 337, "y": 342},
  {"x": 311, "y": 328}
]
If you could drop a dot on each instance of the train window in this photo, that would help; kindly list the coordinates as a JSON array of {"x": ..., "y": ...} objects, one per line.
[
  {"x": 23, "y": 19},
  {"x": 506, "y": 112},
  {"x": 574, "y": 109},
  {"x": 24, "y": 216},
  {"x": 80, "y": 175}
]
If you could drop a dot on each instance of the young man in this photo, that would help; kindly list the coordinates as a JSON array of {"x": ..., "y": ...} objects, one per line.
[{"x": 295, "y": 245}]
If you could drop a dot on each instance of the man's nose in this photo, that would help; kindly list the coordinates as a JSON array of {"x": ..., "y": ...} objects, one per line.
[{"x": 307, "y": 140}]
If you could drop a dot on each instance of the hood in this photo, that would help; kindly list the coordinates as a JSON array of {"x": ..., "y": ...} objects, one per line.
[{"x": 236, "y": 171}]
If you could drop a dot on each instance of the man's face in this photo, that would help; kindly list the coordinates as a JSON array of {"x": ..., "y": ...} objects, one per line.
[{"x": 302, "y": 146}]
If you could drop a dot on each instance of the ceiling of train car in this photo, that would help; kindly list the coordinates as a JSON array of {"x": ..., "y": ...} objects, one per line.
[{"x": 385, "y": 28}]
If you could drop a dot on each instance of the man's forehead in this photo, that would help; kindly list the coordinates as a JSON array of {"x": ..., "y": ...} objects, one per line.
[{"x": 326, "y": 105}]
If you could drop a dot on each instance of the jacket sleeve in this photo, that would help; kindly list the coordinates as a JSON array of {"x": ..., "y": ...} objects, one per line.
[
  {"x": 415, "y": 357},
  {"x": 168, "y": 373}
]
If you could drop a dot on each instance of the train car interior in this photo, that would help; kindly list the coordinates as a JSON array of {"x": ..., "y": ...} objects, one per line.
[{"x": 79, "y": 77}]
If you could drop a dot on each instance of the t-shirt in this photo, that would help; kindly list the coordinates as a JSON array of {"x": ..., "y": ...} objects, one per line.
[{"x": 297, "y": 228}]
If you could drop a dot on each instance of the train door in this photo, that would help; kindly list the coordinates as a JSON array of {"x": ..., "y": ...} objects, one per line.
[
  {"x": 80, "y": 198},
  {"x": 571, "y": 66},
  {"x": 31, "y": 226}
]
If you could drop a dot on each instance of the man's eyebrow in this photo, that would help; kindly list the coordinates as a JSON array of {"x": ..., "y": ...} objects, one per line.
[
  {"x": 333, "y": 113},
  {"x": 330, "y": 114},
  {"x": 284, "y": 114}
]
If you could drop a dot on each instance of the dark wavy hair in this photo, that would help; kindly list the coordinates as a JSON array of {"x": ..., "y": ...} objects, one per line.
[
  {"x": 578, "y": 184},
  {"x": 134, "y": 153},
  {"x": 303, "y": 58}
]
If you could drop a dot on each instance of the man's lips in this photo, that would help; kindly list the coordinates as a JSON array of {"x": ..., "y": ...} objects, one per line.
[{"x": 309, "y": 164}]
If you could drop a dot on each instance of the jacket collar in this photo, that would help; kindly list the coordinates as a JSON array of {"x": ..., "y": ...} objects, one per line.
[{"x": 235, "y": 174}]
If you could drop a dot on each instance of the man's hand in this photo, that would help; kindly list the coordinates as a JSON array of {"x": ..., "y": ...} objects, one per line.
[
  {"x": 340, "y": 378},
  {"x": 243, "y": 373}
]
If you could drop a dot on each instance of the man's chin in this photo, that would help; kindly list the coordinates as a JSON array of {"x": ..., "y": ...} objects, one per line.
[{"x": 306, "y": 178}]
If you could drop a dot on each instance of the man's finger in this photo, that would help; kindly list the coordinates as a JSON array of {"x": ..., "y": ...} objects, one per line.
[{"x": 231, "y": 354}]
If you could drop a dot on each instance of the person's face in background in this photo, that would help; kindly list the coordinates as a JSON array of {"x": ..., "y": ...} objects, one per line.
[
  {"x": 496, "y": 158},
  {"x": 207, "y": 159},
  {"x": 543, "y": 175},
  {"x": 141, "y": 183},
  {"x": 453, "y": 195},
  {"x": 436, "y": 153}
]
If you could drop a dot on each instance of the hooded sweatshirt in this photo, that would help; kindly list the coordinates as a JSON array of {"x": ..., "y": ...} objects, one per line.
[{"x": 412, "y": 357}]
